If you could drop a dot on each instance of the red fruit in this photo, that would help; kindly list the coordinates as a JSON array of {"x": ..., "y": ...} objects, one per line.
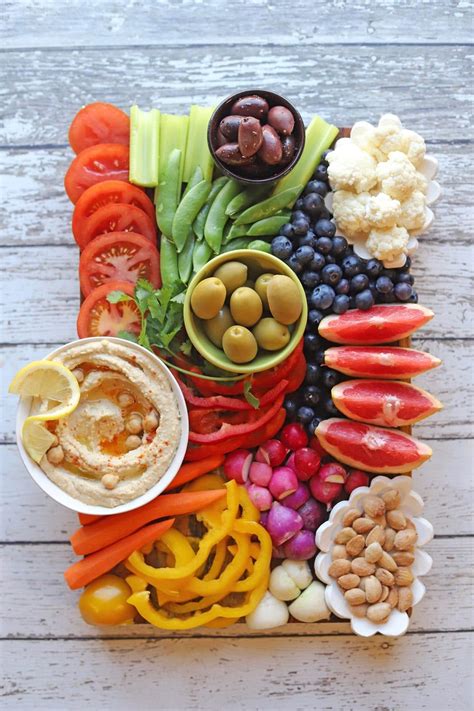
[
  {"x": 383, "y": 323},
  {"x": 333, "y": 473},
  {"x": 389, "y": 362},
  {"x": 307, "y": 463},
  {"x": 384, "y": 402},
  {"x": 271, "y": 452},
  {"x": 324, "y": 491},
  {"x": 374, "y": 449},
  {"x": 355, "y": 479},
  {"x": 294, "y": 436},
  {"x": 314, "y": 444}
]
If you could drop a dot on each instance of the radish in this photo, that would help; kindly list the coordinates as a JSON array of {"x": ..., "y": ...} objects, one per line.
[
  {"x": 283, "y": 523},
  {"x": 260, "y": 497},
  {"x": 298, "y": 497},
  {"x": 263, "y": 518},
  {"x": 290, "y": 462},
  {"x": 260, "y": 473},
  {"x": 333, "y": 473},
  {"x": 237, "y": 465},
  {"x": 271, "y": 452},
  {"x": 283, "y": 482},
  {"x": 324, "y": 491},
  {"x": 307, "y": 463},
  {"x": 313, "y": 514},
  {"x": 301, "y": 546},
  {"x": 355, "y": 479},
  {"x": 294, "y": 436}
]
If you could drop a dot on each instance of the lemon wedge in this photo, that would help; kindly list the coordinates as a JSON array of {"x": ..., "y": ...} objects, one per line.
[
  {"x": 50, "y": 381},
  {"x": 36, "y": 438}
]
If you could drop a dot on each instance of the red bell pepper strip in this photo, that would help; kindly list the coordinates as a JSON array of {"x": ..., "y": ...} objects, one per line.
[
  {"x": 222, "y": 402},
  {"x": 297, "y": 376}
]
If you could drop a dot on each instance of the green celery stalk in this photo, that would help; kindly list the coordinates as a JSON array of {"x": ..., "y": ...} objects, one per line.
[
  {"x": 173, "y": 134},
  {"x": 319, "y": 137},
  {"x": 144, "y": 146},
  {"x": 197, "y": 150}
]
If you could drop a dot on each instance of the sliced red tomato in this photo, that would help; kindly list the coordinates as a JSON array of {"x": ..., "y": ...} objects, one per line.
[
  {"x": 106, "y": 161},
  {"x": 117, "y": 217},
  {"x": 98, "y": 123},
  {"x": 98, "y": 317},
  {"x": 110, "y": 191},
  {"x": 118, "y": 256}
]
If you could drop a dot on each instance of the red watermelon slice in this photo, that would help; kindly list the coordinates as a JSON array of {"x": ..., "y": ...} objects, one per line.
[{"x": 389, "y": 362}]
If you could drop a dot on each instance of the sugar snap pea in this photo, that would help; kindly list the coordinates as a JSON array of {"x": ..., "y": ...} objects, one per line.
[
  {"x": 195, "y": 178},
  {"x": 185, "y": 258},
  {"x": 232, "y": 231},
  {"x": 168, "y": 193},
  {"x": 201, "y": 255},
  {"x": 186, "y": 212},
  {"x": 269, "y": 226},
  {"x": 246, "y": 198},
  {"x": 260, "y": 245},
  {"x": 216, "y": 219},
  {"x": 168, "y": 262},
  {"x": 239, "y": 243},
  {"x": 200, "y": 221},
  {"x": 268, "y": 207}
]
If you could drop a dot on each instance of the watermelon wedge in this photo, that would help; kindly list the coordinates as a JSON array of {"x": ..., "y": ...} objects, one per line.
[
  {"x": 384, "y": 402},
  {"x": 388, "y": 362},
  {"x": 383, "y": 323},
  {"x": 372, "y": 449}
]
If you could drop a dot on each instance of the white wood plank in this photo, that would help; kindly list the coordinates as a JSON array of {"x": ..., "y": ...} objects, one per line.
[
  {"x": 28, "y": 23},
  {"x": 342, "y": 83},
  {"x": 332, "y": 673}
]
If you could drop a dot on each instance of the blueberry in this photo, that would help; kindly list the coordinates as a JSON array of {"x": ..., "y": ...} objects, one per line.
[
  {"x": 307, "y": 239},
  {"x": 403, "y": 291},
  {"x": 322, "y": 297},
  {"x": 311, "y": 342},
  {"x": 331, "y": 274},
  {"x": 304, "y": 254},
  {"x": 330, "y": 407},
  {"x": 359, "y": 283},
  {"x": 352, "y": 302},
  {"x": 315, "y": 317},
  {"x": 343, "y": 287},
  {"x": 390, "y": 273},
  {"x": 413, "y": 298},
  {"x": 407, "y": 264},
  {"x": 330, "y": 259},
  {"x": 321, "y": 173},
  {"x": 313, "y": 373},
  {"x": 339, "y": 246},
  {"x": 300, "y": 226},
  {"x": 282, "y": 247},
  {"x": 287, "y": 230},
  {"x": 364, "y": 300},
  {"x": 291, "y": 405},
  {"x": 324, "y": 245},
  {"x": 384, "y": 285},
  {"x": 319, "y": 356},
  {"x": 313, "y": 204},
  {"x": 298, "y": 214},
  {"x": 299, "y": 204},
  {"x": 316, "y": 186},
  {"x": 405, "y": 278},
  {"x": 312, "y": 425},
  {"x": 294, "y": 264},
  {"x": 351, "y": 265},
  {"x": 317, "y": 262},
  {"x": 324, "y": 157},
  {"x": 330, "y": 377},
  {"x": 305, "y": 414},
  {"x": 310, "y": 279},
  {"x": 341, "y": 304},
  {"x": 325, "y": 228},
  {"x": 388, "y": 298},
  {"x": 373, "y": 290},
  {"x": 373, "y": 268},
  {"x": 311, "y": 394}
]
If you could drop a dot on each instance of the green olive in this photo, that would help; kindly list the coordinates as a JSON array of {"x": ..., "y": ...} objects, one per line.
[
  {"x": 284, "y": 299},
  {"x": 239, "y": 344},
  {"x": 217, "y": 326},
  {"x": 246, "y": 306},
  {"x": 208, "y": 298},
  {"x": 261, "y": 287},
  {"x": 271, "y": 335},
  {"x": 232, "y": 275}
]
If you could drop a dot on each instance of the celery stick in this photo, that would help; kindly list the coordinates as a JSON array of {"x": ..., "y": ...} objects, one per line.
[
  {"x": 173, "y": 134},
  {"x": 144, "y": 146},
  {"x": 197, "y": 151},
  {"x": 319, "y": 136}
]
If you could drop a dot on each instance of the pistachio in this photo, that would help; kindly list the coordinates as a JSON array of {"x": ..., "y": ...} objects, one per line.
[
  {"x": 355, "y": 545},
  {"x": 403, "y": 557},
  {"x": 405, "y": 599},
  {"x": 362, "y": 567},
  {"x": 339, "y": 552},
  {"x": 345, "y": 535},
  {"x": 376, "y": 535},
  {"x": 386, "y": 561},
  {"x": 373, "y": 552},
  {"x": 403, "y": 577},
  {"x": 385, "y": 577},
  {"x": 355, "y": 596},
  {"x": 339, "y": 567},
  {"x": 363, "y": 525},
  {"x": 391, "y": 499},
  {"x": 396, "y": 519},
  {"x": 350, "y": 516},
  {"x": 378, "y": 613},
  {"x": 404, "y": 540},
  {"x": 373, "y": 589},
  {"x": 373, "y": 506},
  {"x": 349, "y": 581}
]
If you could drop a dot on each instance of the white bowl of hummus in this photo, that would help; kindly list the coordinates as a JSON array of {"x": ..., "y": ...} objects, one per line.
[{"x": 125, "y": 441}]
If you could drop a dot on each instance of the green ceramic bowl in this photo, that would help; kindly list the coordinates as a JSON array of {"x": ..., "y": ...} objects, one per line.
[{"x": 257, "y": 262}]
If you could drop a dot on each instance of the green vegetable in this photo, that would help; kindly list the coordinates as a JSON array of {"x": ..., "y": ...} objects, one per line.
[
  {"x": 239, "y": 243},
  {"x": 185, "y": 258},
  {"x": 216, "y": 219},
  {"x": 232, "y": 231},
  {"x": 261, "y": 245},
  {"x": 269, "y": 226},
  {"x": 197, "y": 151},
  {"x": 200, "y": 221},
  {"x": 268, "y": 207},
  {"x": 201, "y": 255},
  {"x": 168, "y": 262},
  {"x": 194, "y": 180},
  {"x": 187, "y": 211},
  {"x": 173, "y": 134},
  {"x": 167, "y": 194},
  {"x": 249, "y": 396},
  {"x": 246, "y": 198},
  {"x": 319, "y": 137},
  {"x": 144, "y": 146}
]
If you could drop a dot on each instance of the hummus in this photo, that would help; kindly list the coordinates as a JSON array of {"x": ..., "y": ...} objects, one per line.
[{"x": 123, "y": 435}]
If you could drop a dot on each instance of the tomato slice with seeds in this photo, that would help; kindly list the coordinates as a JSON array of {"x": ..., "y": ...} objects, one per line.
[
  {"x": 106, "y": 161},
  {"x": 98, "y": 123},
  {"x": 118, "y": 256},
  {"x": 110, "y": 191},
  {"x": 117, "y": 217},
  {"x": 98, "y": 317}
]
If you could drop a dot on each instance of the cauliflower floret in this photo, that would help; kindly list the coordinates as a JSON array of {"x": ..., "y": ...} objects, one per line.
[
  {"x": 381, "y": 211},
  {"x": 412, "y": 212},
  {"x": 349, "y": 211},
  {"x": 421, "y": 183},
  {"x": 351, "y": 168},
  {"x": 387, "y": 244},
  {"x": 363, "y": 135},
  {"x": 397, "y": 176},
  {"x": 414, "y": 146}
]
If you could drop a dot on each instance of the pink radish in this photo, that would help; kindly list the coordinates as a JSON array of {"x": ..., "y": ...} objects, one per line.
[
  {"x": 282, "y": 523},
  {"x": 237, "y": 465},
  {"x": 324, "y": 491},
  {"x": 301, "y": 546},
  {"x": 271, "y": 452},
  {"x": 307, "y": 463},
  {"x": 313, "y": 513},
  {"x": 333, "y": 473},
  {"x": 260, "y": 497},
  {"x": 355, "y": 479},
  {"x": 298, "y": 497},
  {"x": 283, "y": 482},
  {"x": 260, "y": 473}
]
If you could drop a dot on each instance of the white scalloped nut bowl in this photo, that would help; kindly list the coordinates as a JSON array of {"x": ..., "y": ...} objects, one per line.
[
  {"x": 56, "y": 493},
  {"x": 412, "y": 505}
]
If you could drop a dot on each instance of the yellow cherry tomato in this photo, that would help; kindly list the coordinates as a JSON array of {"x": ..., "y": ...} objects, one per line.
[{"x": 104, "y": 602}]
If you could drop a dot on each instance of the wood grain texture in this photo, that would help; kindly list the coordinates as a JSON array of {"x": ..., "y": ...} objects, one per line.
[{"x": 418, "y": 80}]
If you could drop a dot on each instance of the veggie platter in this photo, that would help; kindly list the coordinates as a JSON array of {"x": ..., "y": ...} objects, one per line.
[{"x": 233, "y": 426}]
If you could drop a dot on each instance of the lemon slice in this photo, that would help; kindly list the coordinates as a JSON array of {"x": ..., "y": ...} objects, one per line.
[
  {"x": 36, "y": 438},
  {"x": 51, "y": 381}
]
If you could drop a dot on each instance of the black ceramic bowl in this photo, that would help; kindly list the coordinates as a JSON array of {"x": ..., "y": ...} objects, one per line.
[{"x": 238, "y": 173}]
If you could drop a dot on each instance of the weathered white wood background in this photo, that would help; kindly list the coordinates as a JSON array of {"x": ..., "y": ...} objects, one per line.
[{"x": 348, "y": 60}]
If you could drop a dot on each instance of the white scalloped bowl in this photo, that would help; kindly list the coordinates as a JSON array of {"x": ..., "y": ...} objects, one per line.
[
  {"x": 429, "y": 168},
  {"x": 412, "y": 505}
]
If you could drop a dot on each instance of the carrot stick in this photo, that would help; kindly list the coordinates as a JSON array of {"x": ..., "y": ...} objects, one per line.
[
  {"x": 192, "y": 470},
  {"x": 85, "y": 519},
  {"x": 88, "y": 569},
  {"x": 112, "y": 528}
]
